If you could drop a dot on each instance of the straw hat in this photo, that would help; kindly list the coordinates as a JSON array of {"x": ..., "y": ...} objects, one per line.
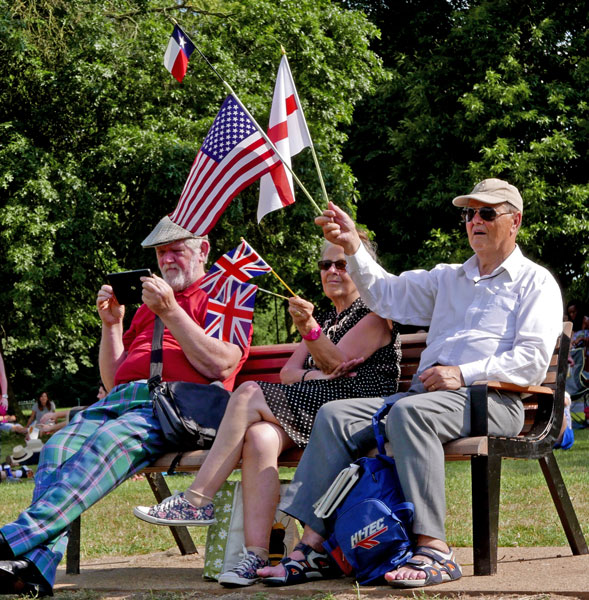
[{"x": 23, "y": 453}]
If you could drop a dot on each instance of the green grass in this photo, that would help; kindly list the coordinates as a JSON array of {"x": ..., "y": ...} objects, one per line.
[{"x": 527, "y": 514}]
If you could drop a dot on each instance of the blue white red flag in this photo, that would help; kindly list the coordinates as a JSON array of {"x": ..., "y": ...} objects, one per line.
[
  {"x": 232, "y": 321},
  {"x": 289, "y": 133},
  {"x": 234, "y": 267},
  {"x": 177, "y": 53},
  {"x": 233, "y": 155}
]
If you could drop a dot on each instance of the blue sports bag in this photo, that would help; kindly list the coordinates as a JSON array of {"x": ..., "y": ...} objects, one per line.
[{"x": 371, "y": 528}]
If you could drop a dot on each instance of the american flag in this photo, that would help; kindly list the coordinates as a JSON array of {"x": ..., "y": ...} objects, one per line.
[
  {"x": 233, "y": 155},
  {"x": 232, "y": 321},
  {"x": 234, "y": 267}
]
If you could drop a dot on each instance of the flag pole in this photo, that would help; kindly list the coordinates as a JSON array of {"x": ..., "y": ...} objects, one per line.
[
  {"x": 260, "y": 130},
  {"x": 313, "y": 153},
  {"x": 282, "y": 282},
  {"x": 272, "y": 293},
  {"x": 271, "y": 144}
]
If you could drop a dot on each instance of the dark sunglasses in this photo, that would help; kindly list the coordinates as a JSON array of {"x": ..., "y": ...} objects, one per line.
[
  {"x": 487, "y": 213},
  {"x": 325, "y": 265}
]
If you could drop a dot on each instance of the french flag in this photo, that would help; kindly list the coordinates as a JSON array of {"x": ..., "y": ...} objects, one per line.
[{"x": 177, "y": 53}]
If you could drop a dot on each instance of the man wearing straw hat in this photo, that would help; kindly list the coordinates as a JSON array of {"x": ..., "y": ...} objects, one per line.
[{"x": 118, "y": 435}]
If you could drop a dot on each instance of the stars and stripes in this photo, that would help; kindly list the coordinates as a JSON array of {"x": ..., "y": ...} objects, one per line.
[{"x": 233, "y": 155}]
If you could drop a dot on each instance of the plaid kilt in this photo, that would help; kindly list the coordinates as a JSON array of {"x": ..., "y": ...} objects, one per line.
[{"x": 100, "y": 448}]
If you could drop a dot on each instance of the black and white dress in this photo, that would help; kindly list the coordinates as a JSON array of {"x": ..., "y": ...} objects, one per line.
[{"x": 296, "y": 404}]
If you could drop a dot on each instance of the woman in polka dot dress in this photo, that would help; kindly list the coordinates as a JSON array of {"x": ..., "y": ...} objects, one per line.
[{"x": 349, "y": 352}]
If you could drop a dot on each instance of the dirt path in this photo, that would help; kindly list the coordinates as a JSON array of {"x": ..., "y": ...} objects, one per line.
[{"x": 530, "y": 573}]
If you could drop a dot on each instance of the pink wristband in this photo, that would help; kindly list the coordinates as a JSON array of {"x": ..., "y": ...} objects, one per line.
[{"x": 313, "y": 334}]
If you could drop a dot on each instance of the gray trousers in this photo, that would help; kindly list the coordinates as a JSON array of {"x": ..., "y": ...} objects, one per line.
[{"x": 417, "y": 426}]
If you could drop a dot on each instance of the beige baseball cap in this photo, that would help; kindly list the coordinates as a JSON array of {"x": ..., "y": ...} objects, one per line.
[
  {"x": 492, "y": 191},
  {"x": 166, "y": 232}
]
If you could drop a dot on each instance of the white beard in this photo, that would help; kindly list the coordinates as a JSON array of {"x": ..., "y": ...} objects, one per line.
[{"x": 179, "y": 280}]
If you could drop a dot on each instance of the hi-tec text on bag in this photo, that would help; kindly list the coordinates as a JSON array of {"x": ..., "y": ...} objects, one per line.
[{"x": 366, "y": 537}]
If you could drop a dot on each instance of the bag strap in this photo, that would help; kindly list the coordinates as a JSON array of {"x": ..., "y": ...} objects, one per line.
[
  {"x": 156, "y": 365},
  {"x": 378, "y": 416},
  {"x": 174, "y": 463}
]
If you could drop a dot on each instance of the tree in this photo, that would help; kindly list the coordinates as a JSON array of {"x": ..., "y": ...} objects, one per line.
[
  {"x": 97, "y": 139},
  {"x": 485, "y": 88}
]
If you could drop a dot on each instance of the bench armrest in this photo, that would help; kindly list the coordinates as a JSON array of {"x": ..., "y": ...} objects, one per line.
[{"x": 520, "y": 389}]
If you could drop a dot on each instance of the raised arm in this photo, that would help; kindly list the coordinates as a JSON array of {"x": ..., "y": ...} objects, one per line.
[{"x": 211, "y": 357}]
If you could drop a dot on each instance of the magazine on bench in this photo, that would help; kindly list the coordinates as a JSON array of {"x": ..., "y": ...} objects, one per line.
[{"x": 337, "y": 491}]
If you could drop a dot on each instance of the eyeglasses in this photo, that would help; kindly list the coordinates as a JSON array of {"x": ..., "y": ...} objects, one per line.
[
  {"x": 325, "y": 265},
  {"x": 487, "y": 213}
]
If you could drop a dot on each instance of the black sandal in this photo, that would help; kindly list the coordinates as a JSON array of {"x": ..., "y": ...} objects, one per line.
[{"x": 315, "y": 565}]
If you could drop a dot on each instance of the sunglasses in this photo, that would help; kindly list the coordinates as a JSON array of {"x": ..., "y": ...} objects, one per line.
[
  {"x": 487, "y": 213},
  {"x": 325, "y": 265}
]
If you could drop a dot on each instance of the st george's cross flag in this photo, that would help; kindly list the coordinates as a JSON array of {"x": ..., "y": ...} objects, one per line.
[
  {"x": 233, "y": 268},
  {"x": 233, "y": 155},
  {"x": 231, "y": 321},
  {"x": 177, "y": 53},
  {"x": 289, "y": 133}
]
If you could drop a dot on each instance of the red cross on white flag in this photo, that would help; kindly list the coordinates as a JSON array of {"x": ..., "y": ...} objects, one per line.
[{"x": 288, "y": 131}]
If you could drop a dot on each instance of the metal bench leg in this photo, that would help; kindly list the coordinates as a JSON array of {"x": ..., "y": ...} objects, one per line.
[
  {"x": 564, "y": 506},
  {"x": 72, "y": 565},
  {"x": 161, "y": 491},
  {"x": 486, "y": 484}
]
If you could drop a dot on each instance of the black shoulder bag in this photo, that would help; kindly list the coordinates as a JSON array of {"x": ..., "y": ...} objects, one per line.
[{"x": 189, "y": 413}]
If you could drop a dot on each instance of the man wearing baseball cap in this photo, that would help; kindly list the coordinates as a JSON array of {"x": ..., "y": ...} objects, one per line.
[
  {"x": 119, "y": 435},
  {"x": 495, "y": 317}
]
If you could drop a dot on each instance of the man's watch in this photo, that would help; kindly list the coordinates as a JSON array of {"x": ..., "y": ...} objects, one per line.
[
  {"x": 313, "y": 334},
  {"x": 4, "y": 395}
]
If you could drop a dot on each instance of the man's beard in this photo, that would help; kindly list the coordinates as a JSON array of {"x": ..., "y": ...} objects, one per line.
[{"x": 179, "y": 280}]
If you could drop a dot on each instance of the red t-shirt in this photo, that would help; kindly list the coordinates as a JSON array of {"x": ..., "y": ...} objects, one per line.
[{"x": 137, "y": 343}]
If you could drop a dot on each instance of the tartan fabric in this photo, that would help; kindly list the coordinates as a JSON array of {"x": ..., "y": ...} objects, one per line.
[{"x": 101, "y": 447}]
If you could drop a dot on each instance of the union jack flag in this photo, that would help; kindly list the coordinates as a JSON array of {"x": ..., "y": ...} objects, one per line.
[
  {"x": 235, "y": 267},
  {"x": 232, "y": 321}
]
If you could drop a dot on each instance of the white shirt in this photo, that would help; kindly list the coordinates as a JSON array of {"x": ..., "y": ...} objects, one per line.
[{"x": 502, "y": 326}]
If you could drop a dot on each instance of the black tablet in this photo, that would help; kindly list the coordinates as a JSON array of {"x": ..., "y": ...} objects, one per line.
[{"x": 127, "y": 285}]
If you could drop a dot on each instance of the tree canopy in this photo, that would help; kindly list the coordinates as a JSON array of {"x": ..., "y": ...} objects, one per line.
[
  {"x": 409, "y": 104},
  {"x": 97, "y": 139},
  {"x": 477, "y": 89}
]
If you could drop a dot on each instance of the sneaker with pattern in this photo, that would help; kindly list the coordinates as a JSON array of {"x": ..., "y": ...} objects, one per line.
[
  {"x": 176, "y": 510},
  {"x": 245, "y": 572}
]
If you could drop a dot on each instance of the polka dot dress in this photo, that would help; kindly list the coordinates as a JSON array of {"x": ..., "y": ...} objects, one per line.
[{"x": 295, "y": 405}]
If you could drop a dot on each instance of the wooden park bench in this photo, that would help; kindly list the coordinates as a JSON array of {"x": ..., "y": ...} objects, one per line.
[{"x": 544, "y": 409}]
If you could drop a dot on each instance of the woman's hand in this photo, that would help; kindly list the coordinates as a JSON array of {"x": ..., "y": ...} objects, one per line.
[
  {"x": 344, "y": 369},
  {"x": 301, "y": 312}
]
